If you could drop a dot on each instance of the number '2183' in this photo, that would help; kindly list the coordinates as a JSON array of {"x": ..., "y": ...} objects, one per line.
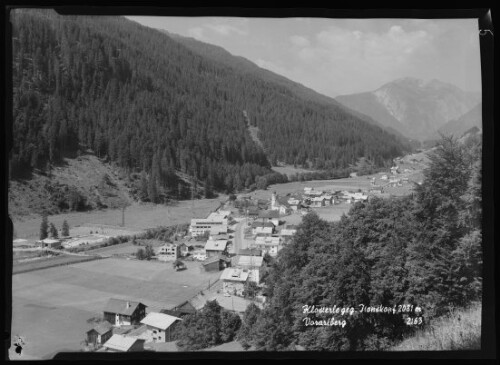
[{"x": 414, "y": 321}]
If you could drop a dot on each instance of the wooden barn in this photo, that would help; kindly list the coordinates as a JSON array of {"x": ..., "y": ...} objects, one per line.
[
  {"x": 124, "y": 312},
  {"x": 216, "y": 263},
  {"x": 100, "y": 333}
]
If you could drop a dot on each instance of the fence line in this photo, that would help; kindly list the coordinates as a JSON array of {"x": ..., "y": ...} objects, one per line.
[{"x": 41, "y": 267}]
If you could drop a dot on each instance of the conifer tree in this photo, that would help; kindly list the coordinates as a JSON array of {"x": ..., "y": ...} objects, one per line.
[{"x": 44, "y": 227}]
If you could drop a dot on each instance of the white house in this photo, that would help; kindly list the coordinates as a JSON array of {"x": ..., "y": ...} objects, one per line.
[
  {"x": 168, "y": 252},
  {"x": 233, "y": 280},
  {"x": 215, "y": 225},
  {"x": 49, "y": 242},
  {"x": 267, "y": 231},
  {"x": 269, "y": 245},
  {"x": 252, "y": 264}
]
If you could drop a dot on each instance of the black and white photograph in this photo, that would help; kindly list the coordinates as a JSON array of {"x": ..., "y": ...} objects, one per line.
[{"x": 246, "y": 183}]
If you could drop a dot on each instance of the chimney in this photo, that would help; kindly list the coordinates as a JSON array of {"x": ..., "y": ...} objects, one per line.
[{"x": 128, "y": 304}]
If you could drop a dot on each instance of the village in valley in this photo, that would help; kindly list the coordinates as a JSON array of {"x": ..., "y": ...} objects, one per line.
[{"x": 162, "y": 275}]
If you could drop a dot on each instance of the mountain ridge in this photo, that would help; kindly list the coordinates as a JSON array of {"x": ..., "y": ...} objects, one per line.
[{"x": 414, "y": 107}]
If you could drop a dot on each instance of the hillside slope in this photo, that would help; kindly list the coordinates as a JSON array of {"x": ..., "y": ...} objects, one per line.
[
  {"x": 147, "y": 102},
  {"x": 78, "y": 184},
  {"x": 413, "y": 107},
  {"x": 457, "y": 127}
]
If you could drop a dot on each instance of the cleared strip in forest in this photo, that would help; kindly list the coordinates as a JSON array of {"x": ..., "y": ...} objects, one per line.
[{"x": 254, "y": 134}]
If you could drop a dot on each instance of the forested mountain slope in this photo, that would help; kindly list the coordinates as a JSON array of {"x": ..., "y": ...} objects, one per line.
[
  {"x": 143, "y": 100},
  {"x": 243, "y": 65}
]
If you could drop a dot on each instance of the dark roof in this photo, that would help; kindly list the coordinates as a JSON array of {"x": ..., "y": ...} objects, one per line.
[
  {"x": 250, "y": 252},
  {"x": 262, "y": 224},
  {"x": 253, "y": 210},
  {"x": 186, "y": 307},
  {"x": 284, "y": 201},
  {"x": 216, "y": 258},
  {"x": 172, "y": 312},
  {"x": 269, "y": 214},
  {"x": 120, "y": 306},
  {"x": 102, "y": 328}
]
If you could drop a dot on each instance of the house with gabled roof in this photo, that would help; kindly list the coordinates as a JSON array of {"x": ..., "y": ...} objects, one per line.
[
  {"x": 123, "y": 343},
  {"x": 100, "y": 333},
  {"x": 233, "y": 280},
  {"x": 216, "y": 263},
  {"x": 216, "y": 247},
  {"x": 120, "y": 312},
  {"x": 159, "y": 326}
]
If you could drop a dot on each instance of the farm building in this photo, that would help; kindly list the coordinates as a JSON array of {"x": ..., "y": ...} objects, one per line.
[
  {"x": 198, "y": 227},
  {"x": 318, "y": 202},
  {"x": 185, "y": 308},
  {"x": 120, "y": 312},
  {"x": 122, "y": 343},
  {"x": 159, "y": 326},
  {"x": 215, "y": 247},
  {"x": 168, "y": 252},
  {"x": 49, "y": 243},
  {"x": 329, "y": 200},
  {"x": 233, "y": 281},
  {"x": 186, "y": 248},
  {"x": 216, "y": 263},
  {"x": 100, "y": 333}
]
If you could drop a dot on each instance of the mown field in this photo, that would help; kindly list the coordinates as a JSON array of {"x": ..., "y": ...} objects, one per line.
[
  {"x": 333, "y": 213},
  {"x": 137, "y": 217},
  {"x": 289, "y": 170},
  {"x": 50, "y": 307}
]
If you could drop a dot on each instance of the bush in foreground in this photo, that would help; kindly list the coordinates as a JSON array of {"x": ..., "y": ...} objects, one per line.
[{"x": 460, "y": 330}]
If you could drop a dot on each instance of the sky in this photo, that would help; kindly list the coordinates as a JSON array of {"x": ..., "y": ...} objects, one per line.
[{"x": 343, "y": 56}]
